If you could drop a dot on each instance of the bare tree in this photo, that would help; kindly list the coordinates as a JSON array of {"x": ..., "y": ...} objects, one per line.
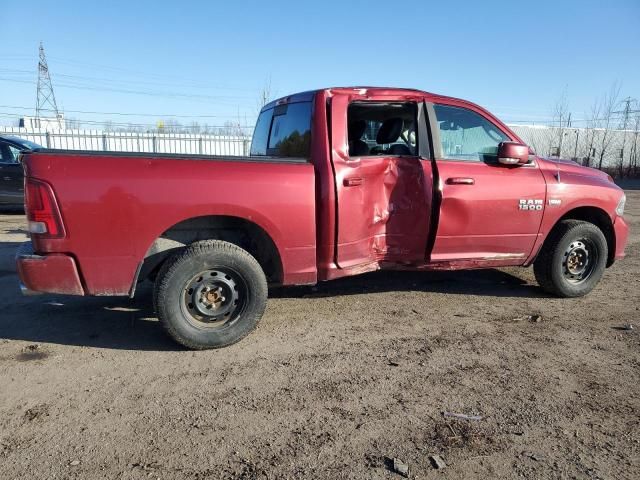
[
  {"x": 171, "y": 125},
  {"x": 634, "y": 155},
  {"x": 609, "y": 104},
  {"x": 266, "y": 94},
  {"x": 591, "y": 132},
  {"x": 194, "y": 127},
  {"x": 73, "y": 124},
  {"x": 230, "y": 128},
  {"x": 560, "y": 117}
]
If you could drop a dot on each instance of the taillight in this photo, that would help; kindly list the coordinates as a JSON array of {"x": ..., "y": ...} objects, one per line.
[{"x": 42, "y": 210}]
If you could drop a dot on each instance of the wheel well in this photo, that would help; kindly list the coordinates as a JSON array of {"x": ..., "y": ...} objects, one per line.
[
  {"x": 241, "y": 232},
  {"x": 599, "y": 218}
]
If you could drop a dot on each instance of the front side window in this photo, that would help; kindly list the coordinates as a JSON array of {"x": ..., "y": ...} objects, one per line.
[
  {"x": 382, "y": 129},
  {"x": 283, "y": 131},
  {"x": 466, "y": 135}
]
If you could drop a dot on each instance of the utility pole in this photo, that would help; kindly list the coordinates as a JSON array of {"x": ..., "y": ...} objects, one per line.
[{"x": 45, "y": 96}]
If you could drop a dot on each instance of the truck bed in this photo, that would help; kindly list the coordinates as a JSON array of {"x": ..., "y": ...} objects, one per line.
[{"x": 115, "y": 205}]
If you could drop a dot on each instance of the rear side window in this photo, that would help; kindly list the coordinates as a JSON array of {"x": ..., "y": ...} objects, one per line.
[
  {"x": 283, "y": 131},
  {"x": 466, "y": 135}
]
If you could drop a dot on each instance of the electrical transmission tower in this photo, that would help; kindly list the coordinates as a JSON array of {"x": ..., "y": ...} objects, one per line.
[
  {"x": 627, "y": 110},
  {"x": 46, "y": 100}
]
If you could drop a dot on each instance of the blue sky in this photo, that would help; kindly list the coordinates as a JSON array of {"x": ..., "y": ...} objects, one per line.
[{"x": 208, "y": 60}]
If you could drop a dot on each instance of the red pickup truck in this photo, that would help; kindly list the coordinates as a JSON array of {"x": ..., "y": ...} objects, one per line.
[{"x": 339, "y": 182}]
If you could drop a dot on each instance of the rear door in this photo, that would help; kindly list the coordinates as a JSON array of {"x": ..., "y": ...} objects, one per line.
[
  {"x": 11, "y": 175},
  {"x": 489, "y": 212},
  {"x": 383, "y": 183}
]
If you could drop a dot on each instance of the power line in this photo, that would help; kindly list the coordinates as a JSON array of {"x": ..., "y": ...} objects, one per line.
[
  {"x": 134, "y": 92},
  {"x": 155, "y": 115},
  {"x": 143, "y": 74},
  {"x": 18, "y": 72},
  {"x": 134, "y": 73},
  {"x": 94, "y": 66},
  {"x": 128, "y": 124}
]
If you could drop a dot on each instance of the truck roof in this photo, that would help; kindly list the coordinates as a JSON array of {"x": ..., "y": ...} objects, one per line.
[
  {"x": 391, "y": 91},
  {"x": 308, "y": 96}
]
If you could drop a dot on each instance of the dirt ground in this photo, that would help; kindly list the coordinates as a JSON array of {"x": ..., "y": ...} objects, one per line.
[{"x": 335, "y": 382}]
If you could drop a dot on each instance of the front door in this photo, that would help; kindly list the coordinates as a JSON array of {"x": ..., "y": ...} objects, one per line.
[
  {"x": 489, "y": 212},
  {"x": 383, "y": 184}
]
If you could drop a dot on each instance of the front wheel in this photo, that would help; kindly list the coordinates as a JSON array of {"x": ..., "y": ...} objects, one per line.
[
  {"x": 572, "y": 259},
  {"x": 210, "y": 295}
]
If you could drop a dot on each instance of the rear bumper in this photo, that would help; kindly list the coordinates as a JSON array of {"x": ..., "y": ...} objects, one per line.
[
  {"x": 53, "y": 273},
  {"x": 621, "y": 230}
]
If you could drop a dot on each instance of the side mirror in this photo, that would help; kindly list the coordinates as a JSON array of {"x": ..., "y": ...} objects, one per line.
[{"x": 512, "y": 153}]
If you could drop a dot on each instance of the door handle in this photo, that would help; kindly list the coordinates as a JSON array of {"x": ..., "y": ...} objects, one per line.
[
  {"x": 352, "y": 181},
  {"x": 460, "y": 181}
]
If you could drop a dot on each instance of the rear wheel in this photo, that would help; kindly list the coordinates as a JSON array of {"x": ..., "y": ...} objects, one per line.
[
  {"x": 210, "y": 295},
  {"x": 572, "y": 259}
]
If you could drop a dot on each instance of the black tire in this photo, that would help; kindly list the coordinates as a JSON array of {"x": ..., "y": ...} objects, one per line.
[
  {"x": 572, "y": 259},
  {"x": 210, "y": 295}
]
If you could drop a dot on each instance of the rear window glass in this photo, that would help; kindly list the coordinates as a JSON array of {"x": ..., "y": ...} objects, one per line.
[
  {"x": 261, "y": 133},
  {"x": 283, "y": 131}
]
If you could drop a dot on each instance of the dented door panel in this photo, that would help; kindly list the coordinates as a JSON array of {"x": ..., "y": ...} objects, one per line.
[
  {"x": 386, "y": 216},
  {"x": 384, "y": 202}
]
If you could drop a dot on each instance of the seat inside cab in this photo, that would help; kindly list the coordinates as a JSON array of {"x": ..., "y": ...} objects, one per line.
[{"x": 382, "y": 129}]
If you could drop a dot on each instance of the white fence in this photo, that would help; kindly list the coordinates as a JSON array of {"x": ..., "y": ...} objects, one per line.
[{"x": 134, "y": 141}]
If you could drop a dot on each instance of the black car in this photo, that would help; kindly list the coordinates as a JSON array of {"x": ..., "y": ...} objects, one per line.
[{"x": 11, "y": 175}]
